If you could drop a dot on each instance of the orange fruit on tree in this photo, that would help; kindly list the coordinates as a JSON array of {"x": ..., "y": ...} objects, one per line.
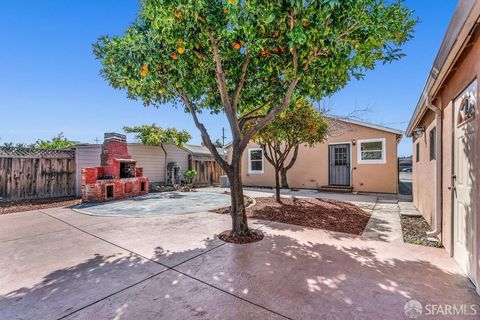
[
  {"x": 180, "y": 50},
  {"x": 236, "y": 45},
  {"x": 144, "y": 71},
  {"x": 173, "y": 56},
  {"x": 298, "y": 105}
]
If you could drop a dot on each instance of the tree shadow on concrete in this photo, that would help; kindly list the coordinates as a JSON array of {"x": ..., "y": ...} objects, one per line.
[
  {"x": 306, "y": 274},
  {"x": 66, "y": 290},
  {"x": 303, "y": 277}
]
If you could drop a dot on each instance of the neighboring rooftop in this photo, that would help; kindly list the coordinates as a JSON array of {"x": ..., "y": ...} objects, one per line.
[
  {"x": 365, "y": 124},
  {"x": 200, "y": 151}
]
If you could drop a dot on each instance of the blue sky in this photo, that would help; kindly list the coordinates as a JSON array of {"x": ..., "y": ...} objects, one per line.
[{"x": 49, "y": 80}]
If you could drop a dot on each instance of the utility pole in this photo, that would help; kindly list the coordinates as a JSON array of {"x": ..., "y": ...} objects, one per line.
[
  {"x": 223, "y": 137},
  {"x": 96, "y": 140}
]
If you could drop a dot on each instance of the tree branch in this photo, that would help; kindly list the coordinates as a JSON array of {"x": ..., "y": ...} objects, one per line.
[
  {"x": 294, "y": 158},
  {"x": 311, "y": 58},
  {"x": 222, "y": 88},
  {"x": 241, "y": 82},
  {"x": 266, "y": 152},
  {"x": 271, "y": 114},
  {"x": 205, "y": 136}
]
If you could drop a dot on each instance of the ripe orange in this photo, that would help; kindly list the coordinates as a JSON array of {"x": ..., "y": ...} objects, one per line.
[
  {"x": 298, "y": 105},
  {"x": 180, "y": 50},
  {"x": 236, "y": 45},
  {"x": 144, "y": 71}
]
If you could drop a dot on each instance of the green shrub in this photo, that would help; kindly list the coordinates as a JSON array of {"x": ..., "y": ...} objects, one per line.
[{"x": 190, "y": 175}]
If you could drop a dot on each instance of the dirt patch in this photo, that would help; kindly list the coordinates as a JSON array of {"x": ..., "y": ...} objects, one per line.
[
  {"x": 254, "y": 236},
  {"x": 310, "y": 212},
  {"x": 415, "y": 231},
  {"x": 28, "y": 205}
]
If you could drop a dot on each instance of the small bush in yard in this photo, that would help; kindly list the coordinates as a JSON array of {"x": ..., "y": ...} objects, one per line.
[{"x": 190, "y": 175}]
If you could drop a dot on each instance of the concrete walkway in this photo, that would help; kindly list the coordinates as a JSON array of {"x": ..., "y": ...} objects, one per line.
[
  {"x": 60, "y": 264},
  {"x": 384, "y": 224}
]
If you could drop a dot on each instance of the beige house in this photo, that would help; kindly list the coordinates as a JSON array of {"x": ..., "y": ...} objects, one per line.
[
  {"x": 358, "y": 156},
  {"x": 446, "y": 143}
]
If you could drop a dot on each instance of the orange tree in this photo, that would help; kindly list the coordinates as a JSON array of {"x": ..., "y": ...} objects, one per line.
[
  {"x": 246, "y": 58},
  {"x": 300, "y": 124}
]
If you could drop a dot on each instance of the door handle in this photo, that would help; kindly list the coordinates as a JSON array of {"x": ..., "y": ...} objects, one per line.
[{"x": 453, "y": 183}]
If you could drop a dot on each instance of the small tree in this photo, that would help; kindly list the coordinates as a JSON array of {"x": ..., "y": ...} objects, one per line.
[
  {"x": 56, "y": 142},
  {"x": 218, "y": 143},
  {"x": 300, "y": 124},
  {"x": 247, "y": 58},
  {"x": 153, "y": 135}
]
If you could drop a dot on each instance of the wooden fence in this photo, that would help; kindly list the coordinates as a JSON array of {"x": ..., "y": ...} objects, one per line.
[
  {"x": 33, "y": 174},
  {"x": 208, "y": 171}
]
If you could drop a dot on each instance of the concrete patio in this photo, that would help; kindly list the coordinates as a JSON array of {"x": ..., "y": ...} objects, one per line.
[{"x": 58, "y": 263}]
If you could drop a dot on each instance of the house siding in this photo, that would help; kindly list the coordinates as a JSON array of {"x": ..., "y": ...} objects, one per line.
[
  {"x": 151, "y": 159},
  {"x": 423, "y": 171}
]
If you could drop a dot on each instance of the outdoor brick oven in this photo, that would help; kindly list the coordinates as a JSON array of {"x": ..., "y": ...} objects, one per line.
[{"x": 118, "y": 177}]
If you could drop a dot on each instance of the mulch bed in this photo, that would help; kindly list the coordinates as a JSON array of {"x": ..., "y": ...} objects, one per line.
[
  {"x": 27, "y": 205},
  {"x": 415, "y": 231},
  {"x": 310, "y": 212},
  {"x": 227, "y": 236}
]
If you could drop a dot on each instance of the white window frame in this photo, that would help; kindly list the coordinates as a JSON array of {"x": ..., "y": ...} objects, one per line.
[
  {"x": 250, "y": 171},
  {"x": 384, "y": 151}
]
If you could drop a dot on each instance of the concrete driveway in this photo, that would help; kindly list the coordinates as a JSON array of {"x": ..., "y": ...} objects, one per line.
[{"x": 57, "y": 263}]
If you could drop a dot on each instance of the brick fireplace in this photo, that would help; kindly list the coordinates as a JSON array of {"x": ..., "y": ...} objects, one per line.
[{"x": 118, "y": 176}]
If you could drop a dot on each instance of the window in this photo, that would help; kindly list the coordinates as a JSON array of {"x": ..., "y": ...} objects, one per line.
[
  {"x": 371, "y": 151},
  {"x": 433, "y": 144},
  {"x": 255, "y": 160},
  {"x": 417, "y": 152}
]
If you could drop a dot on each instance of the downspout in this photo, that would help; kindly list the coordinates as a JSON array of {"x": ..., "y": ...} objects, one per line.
[{"x": 438, "y": 172}]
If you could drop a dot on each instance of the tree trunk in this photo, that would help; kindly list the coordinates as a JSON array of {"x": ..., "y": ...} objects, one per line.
[
  {"x": 277, "y": 185},
  {"x": 237, "y": 211},
  {"x": 283, "y": 174}
]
